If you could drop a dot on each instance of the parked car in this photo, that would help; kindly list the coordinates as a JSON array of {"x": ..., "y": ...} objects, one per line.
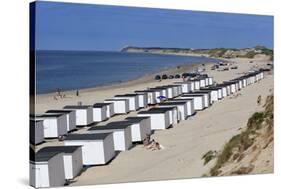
[
  {"x": 171, "y": 77},
  {"x": 164, "y": 76},
  {"x": 157, "y": 77}
]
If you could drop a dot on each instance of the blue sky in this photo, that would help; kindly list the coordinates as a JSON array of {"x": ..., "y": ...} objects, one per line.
[{"x": 69, "y": 26}]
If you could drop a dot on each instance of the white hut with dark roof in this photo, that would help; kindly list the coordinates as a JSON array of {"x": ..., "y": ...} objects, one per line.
[{"x": 97, "y": 149}]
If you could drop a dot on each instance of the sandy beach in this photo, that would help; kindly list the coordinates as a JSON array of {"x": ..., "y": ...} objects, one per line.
[{"x": 185, "y": 144}]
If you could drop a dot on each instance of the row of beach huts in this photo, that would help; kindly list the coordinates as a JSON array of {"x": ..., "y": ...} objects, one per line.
[{"x": 169, "y": 104}]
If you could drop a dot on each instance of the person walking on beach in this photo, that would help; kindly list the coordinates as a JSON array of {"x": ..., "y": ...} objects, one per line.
[{"x": 77, "y": 92}]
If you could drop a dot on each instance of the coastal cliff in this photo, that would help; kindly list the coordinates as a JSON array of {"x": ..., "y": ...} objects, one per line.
[{"x": 255, "y": 52}]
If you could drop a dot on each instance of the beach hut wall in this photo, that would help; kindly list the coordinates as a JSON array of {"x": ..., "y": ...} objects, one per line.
[
  {"x": 159, "y": 118},
  {"x": 202, "y": 82},
  {"x": 185, "y": 86},
  {"x": 206, "y": 82},
  {"x": 72, "y": 159},
  {"x": 158, "y": 94},
  {"x": 197, "y": 84},
  {"x": 70, "y": 116},
  {"x": 97, "y": 149},
  {"x": 122, "y": 135},
  {"x": 181, "y": 108},
  {"x": 55, "y": 125},
  {"x": 205, "y": 94},
  {"x": 151, "y": 96},
  {"x": 109, "y": 110},
  {"x": 140, "y": 128},
  {"x": 189, "y": 105},
  {"x": 121, "y": 106},
  {"x": 198, "y": 101},
  {"x": 213, "y": 93},
  {"x": 133, "y": 100},
  {"x": 99, "y": 112},
  {"x": 36, "y": 132},
  {"x": 211, "y": 81},
  {"x": 166, "y": 91},
  {"x": 84, "y": 114},
  {"x": 142, "y": 99},
  {"x": 47, "y": 170}
]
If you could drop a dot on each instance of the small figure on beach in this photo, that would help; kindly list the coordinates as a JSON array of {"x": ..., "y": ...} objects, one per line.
[
  {"x": 259, "y": 100},
  {"x": 77, "y": 92},
  {"x": 146, "y": 140}
]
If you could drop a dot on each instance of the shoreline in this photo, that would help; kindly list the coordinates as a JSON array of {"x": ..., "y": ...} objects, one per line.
[{"x": 146, "y": 77}]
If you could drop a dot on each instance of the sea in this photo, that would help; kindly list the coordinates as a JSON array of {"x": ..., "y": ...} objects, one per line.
[{"x": 72, "y": 70}]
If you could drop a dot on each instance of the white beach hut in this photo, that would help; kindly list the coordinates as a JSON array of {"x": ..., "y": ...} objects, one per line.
[
  {"x": 168, "y": 91},
  {"x": 189, "y": 105},
  {"x": 72, "y": 159},
  {"x": 46, "y": 169},
  {"x": 140, "y": 127},
  {"x": 36, "y": 132},
  {"x": 207, "y": 97},
  {"x": 186, "y": 86},
  {"x": 199, "y": 103},
  {"x": 133, "y": 100},
  {"x": 158, "y": 93},
  {"x": 142, "y": 98},
  {"x": 100, "y": 112},
  {"x": 55, "y": 125},
  {"x": 163, "y": 89},
  {"x": 70, "y": 116},
  {"x": 109, "y": 109},
  {"x": 192, "y": 85},
  {"x": 159, "y": 118},
  {"x": 121, "y": 106},
  {"x": 196, "y": 84},
  {"x": 202, "y": 82},
  {"x": 84, "y": 114},
  {"x": 122, "y": 135},
  {"x": 151, "y": 96},
  {"x": 232, "y": 86},
  {"x": 213, "y": 93},
  {"x": 97, "y": 149},
  {"x": 173, "y": 114},
  {"x": 181, "y": 108},
  {"x": 211, "y": 81}
]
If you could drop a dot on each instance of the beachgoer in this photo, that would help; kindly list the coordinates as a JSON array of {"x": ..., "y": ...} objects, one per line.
[
  {"x": 259, "y": 100},
  {"x": 146, "y": 140},
  {"x": 77, "y": 92}
]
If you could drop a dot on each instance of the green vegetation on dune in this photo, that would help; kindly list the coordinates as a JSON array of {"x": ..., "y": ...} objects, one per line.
[{"x": 233, "y": 149}]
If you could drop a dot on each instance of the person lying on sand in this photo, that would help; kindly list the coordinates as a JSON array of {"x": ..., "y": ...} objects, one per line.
[{"x": 151, "y": 145}]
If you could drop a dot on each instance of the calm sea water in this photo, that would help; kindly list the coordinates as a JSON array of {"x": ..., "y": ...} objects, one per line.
[{"x": 68, "y": 70}]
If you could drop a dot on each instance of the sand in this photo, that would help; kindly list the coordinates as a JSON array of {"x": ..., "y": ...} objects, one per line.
[{"x": 185, "y": 144}]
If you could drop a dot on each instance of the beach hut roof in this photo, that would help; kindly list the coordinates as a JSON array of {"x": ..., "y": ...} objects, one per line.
[
  {"x": 136, "y": 118},
  {"x": 190, "y": 95},
  {"x": 64, "y": 149},
  {"x": 99, "y": 105},
  {"x": 156, "y": 110},
  {"x": 116, "y": 99},
  {"x": 58, "y": 111},
  {"x": 173, "y": 103},
  {"x": 48, "y": 115},
  {"x": 76, "y": 106},
  {"x": 116, "y": 125},
  {"x": 45, "y": 156},
  {"x": 127, "y": 95},
  {"x": 96, "y": 136}
]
